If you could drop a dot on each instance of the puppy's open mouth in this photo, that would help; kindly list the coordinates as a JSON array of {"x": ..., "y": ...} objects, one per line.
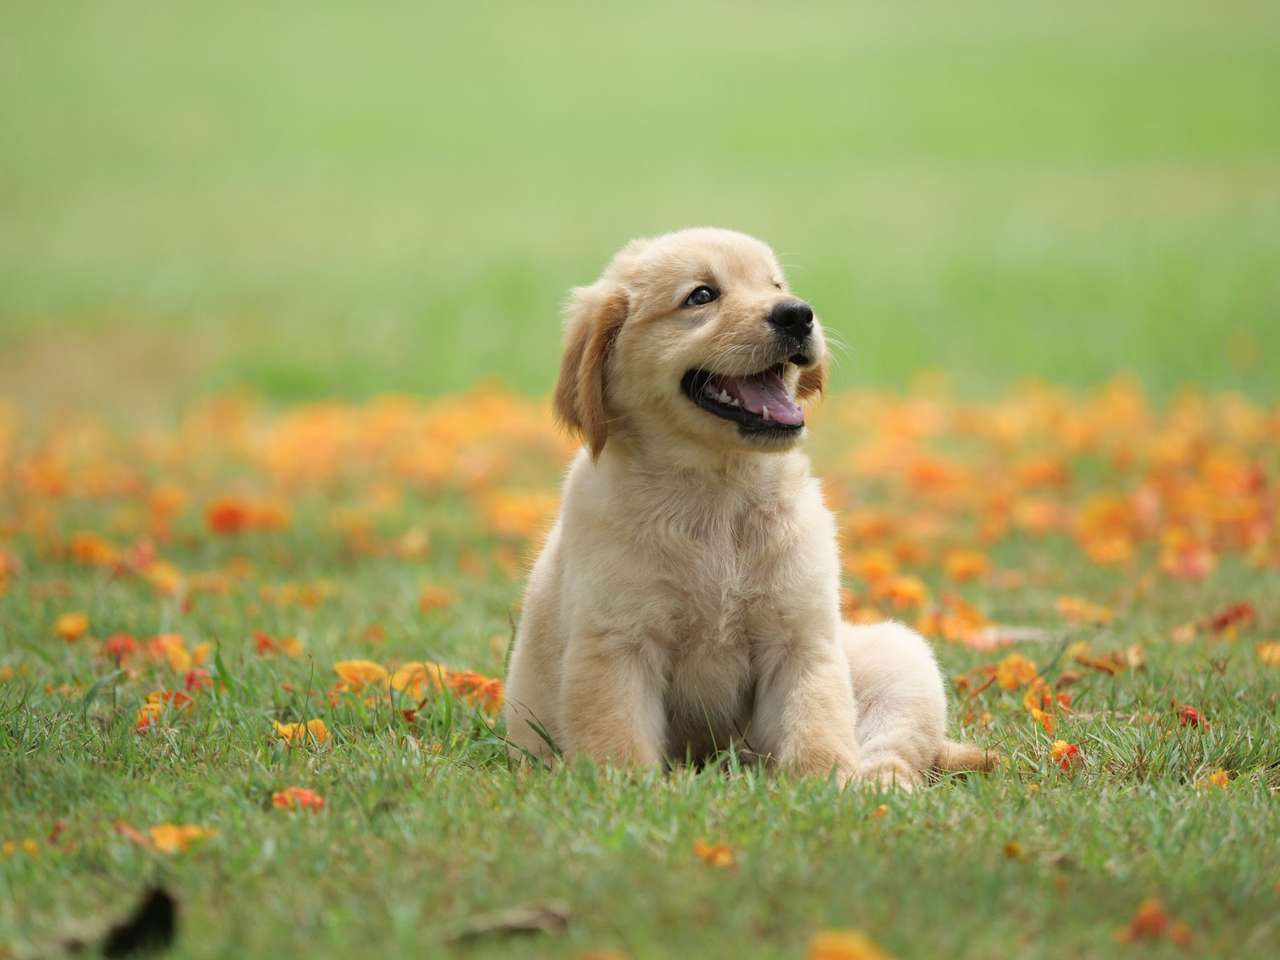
[{"x": 759, "y": 403}]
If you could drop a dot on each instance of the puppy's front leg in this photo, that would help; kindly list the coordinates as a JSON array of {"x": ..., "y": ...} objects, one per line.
[
  {"x": 804, "y": 713},
  {"x": 612, "y": 701}
]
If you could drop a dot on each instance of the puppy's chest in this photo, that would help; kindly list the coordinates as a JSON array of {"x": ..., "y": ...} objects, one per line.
[
  {"x": 720, "y": 589},
  {"x": 721, "y": 599},
  {"x": 718, "y": 582}
]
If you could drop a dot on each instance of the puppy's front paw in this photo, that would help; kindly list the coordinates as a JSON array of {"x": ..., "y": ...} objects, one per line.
[{"x": 889, "y": 773}]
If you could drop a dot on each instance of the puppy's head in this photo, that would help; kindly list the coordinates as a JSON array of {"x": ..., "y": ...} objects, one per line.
[{"x": 692, "y": 336}]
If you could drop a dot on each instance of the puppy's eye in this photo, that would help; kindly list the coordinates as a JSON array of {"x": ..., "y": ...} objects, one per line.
[{"x": 701, "y": 296}]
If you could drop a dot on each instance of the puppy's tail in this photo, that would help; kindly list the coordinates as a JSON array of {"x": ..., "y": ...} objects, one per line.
[{"x": 957, "y": 757}]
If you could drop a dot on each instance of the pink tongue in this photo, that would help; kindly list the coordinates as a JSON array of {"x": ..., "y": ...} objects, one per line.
[{"x": 766, "y": 390}]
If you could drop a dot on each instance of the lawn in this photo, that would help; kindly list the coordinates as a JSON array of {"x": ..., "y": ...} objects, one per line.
[
  {"x": 278, "y": 315},
  {"x": 1099, "y": 577},
  {"x": 312, "y": 200}
]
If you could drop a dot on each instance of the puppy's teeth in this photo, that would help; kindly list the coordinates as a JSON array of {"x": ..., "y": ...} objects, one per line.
[{"x": 764, "y": 412}]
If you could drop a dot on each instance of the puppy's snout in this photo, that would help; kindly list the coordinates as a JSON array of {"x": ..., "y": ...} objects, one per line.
[{"x": 793, "y": 318}]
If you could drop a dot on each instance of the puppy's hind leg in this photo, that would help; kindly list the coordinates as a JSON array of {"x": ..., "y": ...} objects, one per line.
[
  {"x": 959, "y": 757},
  {"x": 901, "y": 703}
]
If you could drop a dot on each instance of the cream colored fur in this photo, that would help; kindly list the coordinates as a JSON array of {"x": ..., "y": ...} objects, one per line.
[{"x": 686, "y": 598}]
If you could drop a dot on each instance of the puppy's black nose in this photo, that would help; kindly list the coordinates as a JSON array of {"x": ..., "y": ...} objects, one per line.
[{"x": 793, "y": 318}]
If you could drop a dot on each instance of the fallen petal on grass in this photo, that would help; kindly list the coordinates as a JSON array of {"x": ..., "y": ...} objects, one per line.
[
  {"x": 1066, "y": 755},
  {"x": 358, "y": 674},
  {"x": 71, "y": 626},
  {"x": 313, "y": 731},
  {"x": 719, "y": 855},
  {"x": 845, "y": 945},
  {"x": 1269, "y": 653},
  {"x": 1218, "y": 780},
  {"x": 177, "y": 838},
  {"x": 297, "y": 798},
  {"x": 1151, "y": 922}
]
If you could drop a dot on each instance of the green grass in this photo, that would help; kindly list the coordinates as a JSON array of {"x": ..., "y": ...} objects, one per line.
[
  {"x": 413, "y": 842},
  {"x": 316, "y": 199},
  {"x": 411, "y": 847},
  {"x": 427, "y": 826}
]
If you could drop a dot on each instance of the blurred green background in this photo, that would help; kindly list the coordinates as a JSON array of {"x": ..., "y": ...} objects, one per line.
[{"x": 337, "y": 199}]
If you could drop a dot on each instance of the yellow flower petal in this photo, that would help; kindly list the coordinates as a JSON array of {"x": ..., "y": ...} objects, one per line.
[
  {"x": 176, "y": 838},
  {"x": 313, "y": 730},
  {"x": 1015, "y": 671},
  {"x": 845, "y": 945},
  {"x": 358, "y": 674},
  {"x": 71, "y": 626}
]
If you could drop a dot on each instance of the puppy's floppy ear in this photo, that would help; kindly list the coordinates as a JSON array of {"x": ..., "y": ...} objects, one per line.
[
  {"x": 813, "y": 380},
  {"x": 593, "y": 317}
]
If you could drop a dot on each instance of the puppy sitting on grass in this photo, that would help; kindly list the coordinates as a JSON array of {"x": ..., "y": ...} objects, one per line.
[{"x": 687, "y": 596}]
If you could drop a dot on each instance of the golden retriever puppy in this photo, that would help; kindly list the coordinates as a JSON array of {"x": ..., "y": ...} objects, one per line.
[{"x": 686, "y": 598}]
